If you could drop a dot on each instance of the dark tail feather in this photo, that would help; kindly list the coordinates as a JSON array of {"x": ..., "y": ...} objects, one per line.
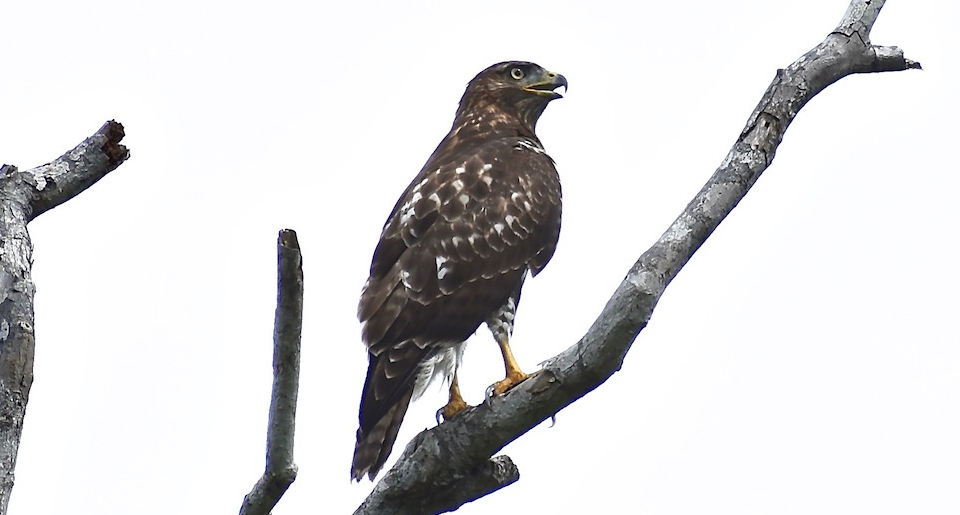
[{"x": 373, "y": 448}]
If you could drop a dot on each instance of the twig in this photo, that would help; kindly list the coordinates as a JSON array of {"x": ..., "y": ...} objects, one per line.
[
  {"x": 423, "y": 479},
  {"x": 281, "y": 471}
]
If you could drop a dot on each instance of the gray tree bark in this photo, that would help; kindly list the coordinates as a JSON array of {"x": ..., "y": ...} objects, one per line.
[
  {"x": 25, "y": 195},
  {"x": 280, "y": 471},
  {"x": 444, "y": 467}
]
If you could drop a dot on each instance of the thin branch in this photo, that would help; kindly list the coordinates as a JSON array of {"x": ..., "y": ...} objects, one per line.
[
  {"x": 64, "y": 178},
  {"x": 423, "y": 479},
  {"x": 281, "y": 471},
  {"x": 23, "y": 196}
]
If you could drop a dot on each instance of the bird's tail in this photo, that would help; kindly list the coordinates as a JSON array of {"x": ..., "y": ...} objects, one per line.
[{"x": 374, "y": 447}]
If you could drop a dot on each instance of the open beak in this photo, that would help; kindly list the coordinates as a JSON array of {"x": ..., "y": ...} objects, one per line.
[{"x": 546, "y": 87}]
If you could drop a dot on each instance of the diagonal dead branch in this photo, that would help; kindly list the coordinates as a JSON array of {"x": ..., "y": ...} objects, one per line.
[
  {"x": 425, "y": 478},
  {"x": 65, "y": 177},
  {"x": 281, "y": 471}
]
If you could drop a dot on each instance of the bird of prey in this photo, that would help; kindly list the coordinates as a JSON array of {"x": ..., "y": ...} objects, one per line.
[{"x": 482, "y": 213}]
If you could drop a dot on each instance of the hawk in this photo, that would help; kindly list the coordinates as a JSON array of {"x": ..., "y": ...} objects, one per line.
[{"x": 482, "y": 213}]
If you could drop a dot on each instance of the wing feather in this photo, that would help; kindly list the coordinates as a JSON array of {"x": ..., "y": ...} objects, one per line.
[{"x": 463, "y": 222}]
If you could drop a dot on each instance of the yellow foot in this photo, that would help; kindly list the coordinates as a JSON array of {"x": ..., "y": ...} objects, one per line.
[
  {"x": 452, "y": 409},
  {"x": 513, "y": 379}
]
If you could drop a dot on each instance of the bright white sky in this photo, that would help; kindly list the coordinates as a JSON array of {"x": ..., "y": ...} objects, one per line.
[{"x": 805, "y": 361}]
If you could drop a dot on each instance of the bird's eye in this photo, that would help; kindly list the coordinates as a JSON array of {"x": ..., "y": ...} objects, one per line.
[{"x": 516, "y": 73}]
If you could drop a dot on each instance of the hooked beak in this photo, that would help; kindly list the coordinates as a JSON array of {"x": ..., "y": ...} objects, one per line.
[{"x": 546, "y": 86}]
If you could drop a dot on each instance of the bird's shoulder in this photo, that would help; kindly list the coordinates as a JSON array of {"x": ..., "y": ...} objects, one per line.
[
  {"x": 471, "y": 204},
  {"x": 481, "y": 179}
]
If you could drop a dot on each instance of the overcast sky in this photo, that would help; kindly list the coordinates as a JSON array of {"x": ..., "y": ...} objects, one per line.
[{"x": 805, "y": 361}]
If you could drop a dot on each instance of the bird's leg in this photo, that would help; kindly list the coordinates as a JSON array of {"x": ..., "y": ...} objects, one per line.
[
  {"x": 514, "y": 375},
  {"x": 456, "y": 404}
]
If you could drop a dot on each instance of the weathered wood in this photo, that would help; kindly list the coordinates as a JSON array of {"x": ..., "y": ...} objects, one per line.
[
  {"x": 24, "y": 196},
  {"x": 281, "y": 471}
]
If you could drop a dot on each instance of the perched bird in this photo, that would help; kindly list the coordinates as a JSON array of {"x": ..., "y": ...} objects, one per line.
[{"x": 483, "y": 211}]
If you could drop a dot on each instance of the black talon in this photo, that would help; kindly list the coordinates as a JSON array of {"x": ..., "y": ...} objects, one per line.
[{"x": 488, "y": 393}]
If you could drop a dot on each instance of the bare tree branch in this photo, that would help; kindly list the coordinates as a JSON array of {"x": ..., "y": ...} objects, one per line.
[
  {"x": 56, "y": 182},
  {"x": 280, "y": 470},
  {"x": 23, "y": 197},
  {"x": 428, "y": 475}
]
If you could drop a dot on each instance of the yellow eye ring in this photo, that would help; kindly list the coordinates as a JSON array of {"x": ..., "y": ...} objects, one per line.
[{"x": 516, "y": 73}]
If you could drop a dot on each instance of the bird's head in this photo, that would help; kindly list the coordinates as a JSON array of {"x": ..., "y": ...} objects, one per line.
[{"x": 519, "y": 88}]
